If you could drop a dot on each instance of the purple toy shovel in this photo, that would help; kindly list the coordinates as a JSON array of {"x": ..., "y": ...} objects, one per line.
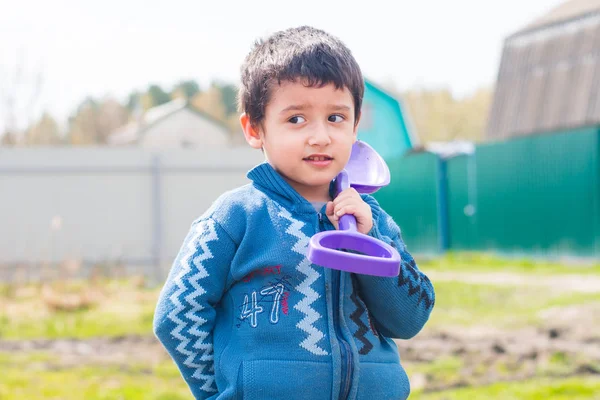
[{"x": 366, "y": 172}]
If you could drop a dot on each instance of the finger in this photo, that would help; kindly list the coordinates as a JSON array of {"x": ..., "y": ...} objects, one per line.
[
  {"x": 331, "y": 215},
  {"x": 329, "y": 208},
  {"x": 346, "y": 199},
  {"x": 334, "y": 222},
  {"x": 349, "y": 193},
  {"x": 346, "y": 202},
  {"x": 345, "y": 209}
]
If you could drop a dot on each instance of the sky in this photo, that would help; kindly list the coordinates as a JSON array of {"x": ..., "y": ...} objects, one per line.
[{"x": 86, "y": 48}]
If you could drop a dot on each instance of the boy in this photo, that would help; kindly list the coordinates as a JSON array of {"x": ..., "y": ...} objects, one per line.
[{"x": 243, "y": 313}]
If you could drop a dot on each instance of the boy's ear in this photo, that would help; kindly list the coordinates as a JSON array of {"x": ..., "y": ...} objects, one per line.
[{"x": 251, "y": 134}]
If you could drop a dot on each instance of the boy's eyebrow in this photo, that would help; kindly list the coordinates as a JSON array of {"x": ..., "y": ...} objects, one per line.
[
  {"x": 300, "y": 107},
  {"x": 340, "y": 107},
  {"x": 294, "y": 107}
]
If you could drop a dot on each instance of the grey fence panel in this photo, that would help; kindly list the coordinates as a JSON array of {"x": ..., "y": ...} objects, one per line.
[{"x": 106, "y": 205}]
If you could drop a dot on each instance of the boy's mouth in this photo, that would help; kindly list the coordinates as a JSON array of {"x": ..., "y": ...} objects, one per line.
[
  {"x": 318, "y": 160},
  {"x": 318, "y": 157}
]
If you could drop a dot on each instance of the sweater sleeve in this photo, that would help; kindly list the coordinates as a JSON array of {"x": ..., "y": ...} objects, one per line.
[
  {"x": 185, "y": 312},
  {"x": 400, "y": 305}
]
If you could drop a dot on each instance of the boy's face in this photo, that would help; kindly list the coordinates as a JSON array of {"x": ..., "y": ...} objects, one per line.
[{"x": 307, "y": 135}]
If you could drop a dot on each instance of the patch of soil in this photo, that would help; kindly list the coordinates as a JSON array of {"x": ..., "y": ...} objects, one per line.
[
  {"x": 486, "y": 354},
  {"x": 489, "y": 355},
  {"x": 96, "y": 351},
  {"x": 564, "y": 283},
  {"x": 567, "y": 343}
]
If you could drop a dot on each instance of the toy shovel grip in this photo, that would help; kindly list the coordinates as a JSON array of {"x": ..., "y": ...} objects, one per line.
[{"x": 347, "y": 222}]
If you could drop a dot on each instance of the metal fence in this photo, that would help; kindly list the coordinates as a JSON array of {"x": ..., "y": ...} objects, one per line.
[
  {"x": 85, "y": 208},
  {"x": 535, "y": 195},
  {"x": 80, "y": 209},
  {"x": 412, "y": 199}
]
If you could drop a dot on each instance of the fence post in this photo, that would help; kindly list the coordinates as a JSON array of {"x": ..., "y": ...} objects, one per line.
[
  {"x": 596, "y": 197},
  {"x": 157, "y": 222},
  {"x": 472, "y": 207},
  {"x": 442, "y": 204}
]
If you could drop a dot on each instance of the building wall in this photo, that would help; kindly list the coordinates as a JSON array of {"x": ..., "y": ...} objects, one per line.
[
  {"x": 548, "y": 80},
  {"x": 185, "y": 128}
]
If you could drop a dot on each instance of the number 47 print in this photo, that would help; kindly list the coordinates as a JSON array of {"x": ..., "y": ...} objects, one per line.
[{"x": 251, "y": 310}]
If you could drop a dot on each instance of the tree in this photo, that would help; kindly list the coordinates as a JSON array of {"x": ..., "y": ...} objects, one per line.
[
  {"x": 43, "y": 133},
  {"x": 432, "y": 114},
  {"x": 8, "y": 139},
  {"x": 133, "y": 100},
  {"x": 158, "y": 95},
  {"x": 83, "y": 130},
  {"x": 211, "y": 102},
  {"x": 185, "y": 90},
  {"x": 475, "y": 111},
  {"x": 237, "y": 135},
  {"x": 20, "y": 94},
  {"x": 438, "y": 116},
  {"x": 95, "y": 120},
  {"x": 228, "y": 96},
  {"x": 110, "y": 116}
]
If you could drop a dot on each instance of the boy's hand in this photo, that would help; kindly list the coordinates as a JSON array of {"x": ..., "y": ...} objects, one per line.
[{"x": 350, "y": 202}]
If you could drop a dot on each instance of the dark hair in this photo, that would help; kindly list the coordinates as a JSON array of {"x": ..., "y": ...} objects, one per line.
[{"x": 305, "y": 53}]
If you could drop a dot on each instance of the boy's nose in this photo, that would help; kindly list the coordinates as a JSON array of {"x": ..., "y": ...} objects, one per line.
[{"x": 319, "y": 137}]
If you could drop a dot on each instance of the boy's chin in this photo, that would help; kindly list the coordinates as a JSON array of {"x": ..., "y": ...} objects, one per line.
[{"x": 318, "y": 182}]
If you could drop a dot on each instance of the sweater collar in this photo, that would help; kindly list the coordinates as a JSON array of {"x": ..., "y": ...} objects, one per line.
[{"x": 270, "y": 182}]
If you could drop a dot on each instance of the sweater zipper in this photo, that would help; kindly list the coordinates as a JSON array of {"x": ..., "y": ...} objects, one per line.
[{"x": 345, "y": 351}]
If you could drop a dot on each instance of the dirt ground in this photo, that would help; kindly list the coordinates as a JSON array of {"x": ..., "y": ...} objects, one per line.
[
  {"x": 567, "y": 343},
  {"x": 566, "y": 283},
  {"x": 487, "y": 355}
]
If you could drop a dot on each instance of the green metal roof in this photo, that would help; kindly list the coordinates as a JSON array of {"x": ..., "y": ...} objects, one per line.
[{"x": 385, "y": 124}]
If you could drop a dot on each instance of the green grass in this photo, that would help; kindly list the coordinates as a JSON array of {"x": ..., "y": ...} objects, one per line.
[
  {"x": 126, "y": 309},
  {"x": 484, "y": 262},
  {"x": 463, "y": 304},
  {"x": 36, "y": 377},
  {"x": 78, "y": 324},
  {"x": 123, "y": 309},
  {"x": 581, "y": 388},
  {"x": 39, "y": 376},
  {"x": 443, "y": 371}
]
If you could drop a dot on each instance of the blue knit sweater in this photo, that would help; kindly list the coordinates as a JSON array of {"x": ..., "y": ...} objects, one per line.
[{"x": 245, "y": 315}]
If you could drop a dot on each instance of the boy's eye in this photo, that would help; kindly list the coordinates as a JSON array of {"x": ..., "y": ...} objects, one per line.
[
  {"x": 336, "y": 118},
  {"x": 296, "y": 119}
]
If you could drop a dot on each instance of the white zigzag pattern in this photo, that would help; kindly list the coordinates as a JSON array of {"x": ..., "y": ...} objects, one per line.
[
  {"x": 310, "y": 296},
  {"x": 206, "y": 359}
]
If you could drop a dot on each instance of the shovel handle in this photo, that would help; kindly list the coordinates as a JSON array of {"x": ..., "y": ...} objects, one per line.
[{"x": 347, "y": 221}]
